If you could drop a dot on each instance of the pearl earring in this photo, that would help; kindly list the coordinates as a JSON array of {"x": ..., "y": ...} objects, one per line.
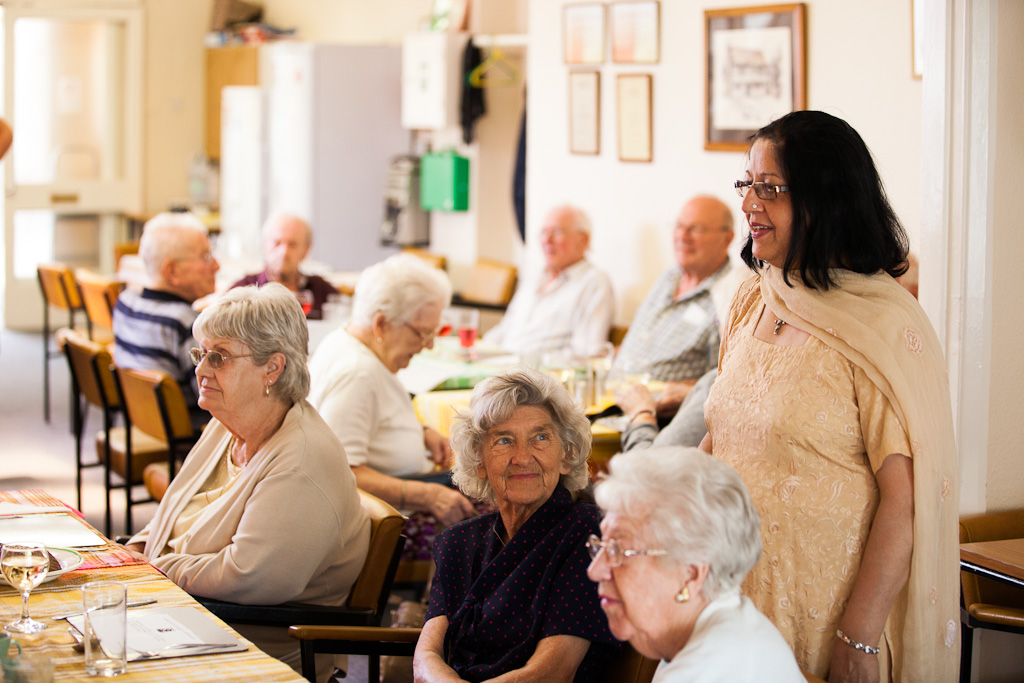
[{"x": 683, "y": 595}]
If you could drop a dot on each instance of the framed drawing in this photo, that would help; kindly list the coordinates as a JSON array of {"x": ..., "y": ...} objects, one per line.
[
  {"x": 635, "y": 32},
  {"x": 585, "y": 112},
  {"x": 754, "y": 73},
  {"x": 633, "y": 102},
  {"x": 583, "y": 34}
]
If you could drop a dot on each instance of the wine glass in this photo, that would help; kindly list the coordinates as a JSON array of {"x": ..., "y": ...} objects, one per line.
[
  {"x": 447, "y": 322},
  {"x": 24, "y": 566}
]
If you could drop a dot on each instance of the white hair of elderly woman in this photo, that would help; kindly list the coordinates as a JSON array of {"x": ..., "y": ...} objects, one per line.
[
  {"x": 693, "y": 505},
  {"x": 161, "y": 238},
  {"x": 399, "y": 286},
  {"x": 268, "y": 320},
  {"x": 493, "y": 402}
]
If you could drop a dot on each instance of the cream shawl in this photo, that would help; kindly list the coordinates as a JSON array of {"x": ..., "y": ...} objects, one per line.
[{"x": 878, "y": 326}]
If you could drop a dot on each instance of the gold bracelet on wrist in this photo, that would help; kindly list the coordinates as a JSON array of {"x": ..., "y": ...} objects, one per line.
[{"x": 866, "y": 649}]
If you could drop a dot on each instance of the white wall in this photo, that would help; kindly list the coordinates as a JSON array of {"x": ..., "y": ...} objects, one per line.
[{"x": 859, "y": 68}]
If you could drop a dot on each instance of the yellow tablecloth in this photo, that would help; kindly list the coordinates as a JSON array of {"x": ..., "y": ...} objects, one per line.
[{"x": 63, "y": 595}]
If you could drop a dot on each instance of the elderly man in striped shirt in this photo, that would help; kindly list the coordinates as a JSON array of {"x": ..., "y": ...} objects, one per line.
[{"x": 153, "y": 328}]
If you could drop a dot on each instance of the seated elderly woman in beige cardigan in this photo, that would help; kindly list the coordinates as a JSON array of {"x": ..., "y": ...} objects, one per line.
[{"x": 265, "y": 508}]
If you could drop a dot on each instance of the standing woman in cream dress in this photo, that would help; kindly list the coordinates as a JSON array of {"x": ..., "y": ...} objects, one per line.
[{"x": 832, "y": 403}]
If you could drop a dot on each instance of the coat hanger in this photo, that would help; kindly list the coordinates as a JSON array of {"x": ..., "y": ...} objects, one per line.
[{"x": 494, "y": 71}]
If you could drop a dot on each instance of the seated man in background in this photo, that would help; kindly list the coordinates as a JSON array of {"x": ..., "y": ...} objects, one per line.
[
  {"x": 567, "y": 306},
  {"x": 675, "y": 336},
  {"x": 286, "y": 243},
  {"x": 153, "y": 328}
]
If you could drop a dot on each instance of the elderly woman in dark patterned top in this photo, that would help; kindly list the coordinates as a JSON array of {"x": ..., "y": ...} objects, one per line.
[{"x": 511, "y": 598}]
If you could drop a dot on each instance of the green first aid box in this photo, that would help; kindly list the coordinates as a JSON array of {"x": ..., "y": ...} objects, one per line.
[{"x": 444, "y": 182}]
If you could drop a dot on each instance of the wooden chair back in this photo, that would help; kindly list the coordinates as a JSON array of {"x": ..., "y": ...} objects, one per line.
[
  {"x": 385, "y": 529},
  {"x": 436, "y": 260},
  {"x": 155, "y": 405},
  {"x": 99, "y": 296},
  {"x": 57, "y": 282},
  {"x": 617, "y": 334},
  {"x": 490, "y": 282},
  {"x": 124, "y": 249},
  {"x": 90, "y": 364}
]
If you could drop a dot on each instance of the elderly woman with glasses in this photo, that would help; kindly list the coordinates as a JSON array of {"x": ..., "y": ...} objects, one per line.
[
  {"x": 511, "y": 600},
  {"x": 395, "y": 315},
  {"x": 265, "y": 508},
  {"x": 679, "y": 534},
  {"x": 832, "y": 403}
]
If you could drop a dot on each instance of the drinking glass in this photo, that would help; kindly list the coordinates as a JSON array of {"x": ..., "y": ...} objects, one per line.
[
  {"x": 447, "y": 323},
  {"x": 105, "y": 604},
  {"x": 305, "y": 298},
  {"x": 467, "y": 324},
  {"x": 24, "y": 565},
  {"x": 599, "y": 364}
]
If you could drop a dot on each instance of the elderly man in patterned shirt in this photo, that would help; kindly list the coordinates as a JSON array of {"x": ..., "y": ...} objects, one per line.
[{"x": 674, "y": 336}]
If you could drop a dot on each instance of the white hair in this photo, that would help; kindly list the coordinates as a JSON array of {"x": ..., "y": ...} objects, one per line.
[
  {"x": 280, "y": 217},
  {"x": 398, "y": 287},
  {"x": 580, "y": 220},
  {"x": 268, "y": 320},
  {"x": 692, "y": 505},
  {"x": 493, "y": 403},
  {"x": 161, "y": 238}
]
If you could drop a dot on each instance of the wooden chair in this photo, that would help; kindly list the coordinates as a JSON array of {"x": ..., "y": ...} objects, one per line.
[
  {"x": 366, "y": 602},
  {"x": 99, "y": 296},
  {"x": 436, "y": 260},
  {"x": 489, "y": 285},
  {"x": 986, "y": 603},
  {"x": 124, "y": 249},
  {"x": 155, "y": 406},
  {"x": 57, "y": 283},
  {"x": 93, "y": 383},
  {"x": 628, "y": 666}
]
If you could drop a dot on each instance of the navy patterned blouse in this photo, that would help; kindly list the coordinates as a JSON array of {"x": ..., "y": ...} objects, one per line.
[{"x": 501, "y": 601}]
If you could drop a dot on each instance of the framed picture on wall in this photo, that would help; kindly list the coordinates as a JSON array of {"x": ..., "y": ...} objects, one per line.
[
  {"x": 917, "y": 38},
  {"x": 635, "y": 32},
  {"x": 585, "y": 112},
  {"x": 754, "y": 72},
  {"x": 633, "y": 101},
  {"x": 583, "y": 34}
]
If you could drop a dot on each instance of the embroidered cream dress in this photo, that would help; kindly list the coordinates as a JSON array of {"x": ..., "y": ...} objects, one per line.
[{"x": 806, "y": 427}]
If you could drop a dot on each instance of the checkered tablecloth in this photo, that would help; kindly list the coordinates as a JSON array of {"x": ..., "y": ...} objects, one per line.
[{"x": 64, "y": 595}]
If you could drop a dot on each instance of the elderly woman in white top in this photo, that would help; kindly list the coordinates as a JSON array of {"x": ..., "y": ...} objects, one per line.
[
  {"x": 396, "y": 312},
  {"x": 678, "y": 536}
]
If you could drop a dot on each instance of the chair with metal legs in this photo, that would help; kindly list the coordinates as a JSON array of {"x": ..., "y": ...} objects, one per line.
[{"x": 93, "y": 383}]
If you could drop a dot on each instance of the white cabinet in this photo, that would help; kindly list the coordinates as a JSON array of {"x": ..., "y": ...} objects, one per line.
[{"x": 431, "y": 80}]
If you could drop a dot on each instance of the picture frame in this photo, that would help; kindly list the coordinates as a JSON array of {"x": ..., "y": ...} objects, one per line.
[
  {"x": 583, "y": 33},
  {"x": 635, "y": 32},
  {"x": 585, "y": 112},
  {"x": 634, "y": 100},
  {"x": 917, "y": 38},
  {"x": 755, "y": 71}
]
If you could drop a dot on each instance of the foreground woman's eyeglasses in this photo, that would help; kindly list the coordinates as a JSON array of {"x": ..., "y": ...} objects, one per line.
[
  {"x": 216, "y": 359},
  {"x": 613, "y": 552}
]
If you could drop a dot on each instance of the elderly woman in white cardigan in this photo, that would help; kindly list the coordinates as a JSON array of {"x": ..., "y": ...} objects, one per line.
[{"x": 265, "y": 508}]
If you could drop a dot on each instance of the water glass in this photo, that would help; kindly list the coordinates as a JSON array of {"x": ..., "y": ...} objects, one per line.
[
  {"x": 27, "y": 668},
  {"x": 105, "y": 606}
]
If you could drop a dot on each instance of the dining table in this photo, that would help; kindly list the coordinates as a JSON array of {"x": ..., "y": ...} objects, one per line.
[
  {"x": 1001, "y": 560},
  {"x": 54, "y": 600}
]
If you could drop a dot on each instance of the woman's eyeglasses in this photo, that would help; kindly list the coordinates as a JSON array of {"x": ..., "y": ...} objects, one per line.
[
  {"x": 216, "y": 359},
  {"x": 425, "y": 337},
  {"x": 762, "y": 190},
  {"x": 613, "y": 552}
]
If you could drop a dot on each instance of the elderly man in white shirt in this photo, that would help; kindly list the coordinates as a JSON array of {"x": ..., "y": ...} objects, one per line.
[{"x": 569, "y": 305}]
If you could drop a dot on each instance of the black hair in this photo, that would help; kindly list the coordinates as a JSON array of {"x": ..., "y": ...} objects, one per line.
[{"x": 841, "y": 215}]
